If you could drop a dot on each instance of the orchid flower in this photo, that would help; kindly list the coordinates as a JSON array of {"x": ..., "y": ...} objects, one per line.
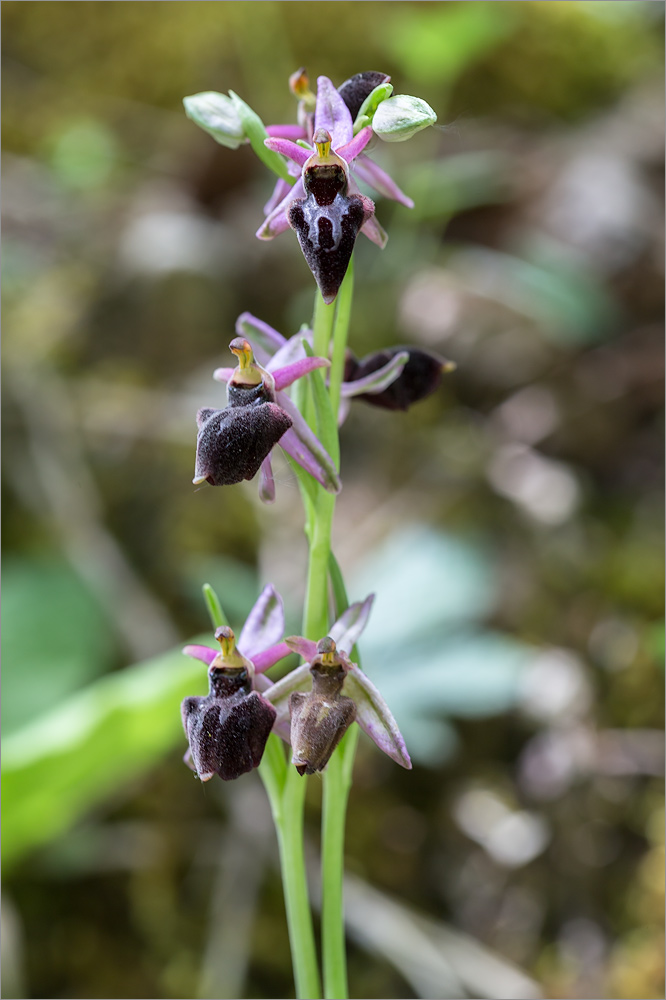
[
  {"x": 325, "y": 206},
  {"x": 235, "y": 443},
  {"x": 227, "y": 730},
  {"x": 326, "y": 671}
]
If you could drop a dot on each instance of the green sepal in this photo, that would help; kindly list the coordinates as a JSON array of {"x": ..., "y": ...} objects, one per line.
[
  {"x": 370, "y": 105},
  {"x": 256, "y": 132}
]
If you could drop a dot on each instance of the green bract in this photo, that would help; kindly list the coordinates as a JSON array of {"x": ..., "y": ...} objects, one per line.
[
  {"x": 217, "y": 115},
  {"x": 370, "y": 104},
  {"x": 399, "y": 118}
]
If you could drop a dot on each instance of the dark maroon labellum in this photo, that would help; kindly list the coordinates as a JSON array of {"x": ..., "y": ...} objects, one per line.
[
  {"x": 233, "y": 442},
  {"x": 320, "y": 718},
  {"x": 228, "y": 729},
  {"x": 421, "y": 375},
  {"x": 355, "y": 90},
  {"x": 327, "y": 229}
]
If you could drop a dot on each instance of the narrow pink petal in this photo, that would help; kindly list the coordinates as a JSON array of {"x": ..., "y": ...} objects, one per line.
[
  {"x": 266, "y": 481},
  {"x": 264, "y": 626},
  {"x": 223, "y": 374},
  {"x": 378, "y": 179},
  {"x": 269, "y": 657},
  {"x": 375, "y": 232},
  {"x": 306, "y": 448},
  {"x": 203, "y": 653},
  {"x": 285, "y": 376},
  {"x": 277, "y": 221},
  {"x": 289, "y": 149},
  {"x": 304, "y": 647},
  {"x": 292, "y": 351},
  {"x": 293, "y": 132},
  {"x": 356, "y": 146},
  {"x": 332, "y": 113},
  {"x": 281, "y": 189}
]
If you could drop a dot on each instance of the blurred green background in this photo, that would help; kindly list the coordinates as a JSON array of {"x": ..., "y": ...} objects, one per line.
[{"x": 511, "y": 524}]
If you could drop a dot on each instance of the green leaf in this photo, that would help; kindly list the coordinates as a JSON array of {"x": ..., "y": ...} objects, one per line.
[
  {"x": 256, "y": 133},
  {"x": 75, "y": 756},
  {"x": 52, "y": 627},
  {"x": 217, "y": 615},
  {"x": 370, "y": 105}
]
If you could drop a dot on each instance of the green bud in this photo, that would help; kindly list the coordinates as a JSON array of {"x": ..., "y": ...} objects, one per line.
[
  {"x": 370, "y": 105},
  {"x": 217, "y": 115},
  {"x": 399, "y": 118}
]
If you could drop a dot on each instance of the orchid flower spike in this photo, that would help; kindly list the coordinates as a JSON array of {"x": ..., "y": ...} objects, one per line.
[
  {"x": 325, "y": 206},
  {"x": 319, "y": 700},
  {"x": 235, "y": 443},
  {"x": 227, "y": 730}
]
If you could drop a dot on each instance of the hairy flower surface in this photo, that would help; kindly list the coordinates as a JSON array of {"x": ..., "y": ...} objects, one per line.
[
  {"x": 329, "y": 680},
  {"x": 235, "y": 443}
]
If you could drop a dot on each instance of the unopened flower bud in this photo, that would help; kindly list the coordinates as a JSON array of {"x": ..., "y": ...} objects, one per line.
[
  {"x": 320, "y": 718},
  {"x": 400, "y": 117},
  {"x": 217, "y": 115},
  {"x": 228, "y": 729}
]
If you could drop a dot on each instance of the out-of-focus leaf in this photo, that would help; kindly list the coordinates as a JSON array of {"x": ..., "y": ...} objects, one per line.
[
  {"x": 70, "y": 759},
  {"x": 53, "y": 630},
  {"x": 561, "y": 295},
  {"x": 444, "y": 40},
  {"x": 441, "y": 188},
  {"x": 424, "y": 580},
  {"x": 418, "y": 647}
]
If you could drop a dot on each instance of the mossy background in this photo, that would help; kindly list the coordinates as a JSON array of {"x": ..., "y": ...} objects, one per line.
[{"x": 534, "y": 259}]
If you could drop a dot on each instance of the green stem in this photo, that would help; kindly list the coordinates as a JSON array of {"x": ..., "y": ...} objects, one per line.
[{"x": 295, "y": 886}]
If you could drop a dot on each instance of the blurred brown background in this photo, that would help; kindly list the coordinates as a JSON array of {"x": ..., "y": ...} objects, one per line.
[{"x": 511, "y": 524}]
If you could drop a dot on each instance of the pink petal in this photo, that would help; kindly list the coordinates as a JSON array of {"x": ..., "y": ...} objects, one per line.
[
  {"x": 292, "y": 351},
  {"x": 266, "y": 481},
  {"x": 375, "y": 232},
  {"x": 223, "y": 374},
  {"x": 289, "y": 149},
  {"x": 203, "y": 653},
  {"x": 277, "y": 221},
  {"x": 286, "y": 132},
  {"x": 269, "y": 657},
  {"x": 304, "y": 647},
  {"x": 281, "y": 189},
  {"x": 285, "y": 376},
  {"x": 378, "y": 179},
  {"x": 306, "y": 448},
  {"x": 332, "y": 113},
  {"x": 356, "y": 146}
]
